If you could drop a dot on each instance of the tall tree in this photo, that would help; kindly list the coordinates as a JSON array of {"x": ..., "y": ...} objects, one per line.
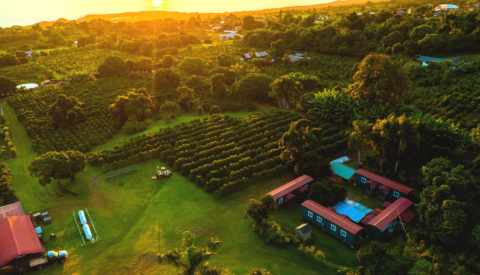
[
  {"x": 380, "y": 80},
  {"x": 358, "y": 137},
  {"x": 395, "y": 136},
  {"x": 191, "y": 258},
  {"x": 57, "y": 165},
  {"x": 7, "y": 86},
  {"x": 137, "y": 105},
  {"x": 113, "y": 66},
  {"x": 165, "y": 82},
  {"x": 66, "y": 110}
]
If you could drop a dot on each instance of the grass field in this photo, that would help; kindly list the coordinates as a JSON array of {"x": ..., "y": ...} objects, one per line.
[{"x": 137, "y": 217}]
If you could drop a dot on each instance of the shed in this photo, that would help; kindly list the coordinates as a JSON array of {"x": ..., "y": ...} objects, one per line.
[
  {"x": 296, "y": 186},
  {"x": 387, "y": 219},
  {"x": 342, "y": 170},
  {"x": 329, "y": 221},
  {"x": 304, "y": 231},
  {"x": 9, "y": 210},
  {"x": 17, "y": 238},
  {"x": 392, "y": 189}
]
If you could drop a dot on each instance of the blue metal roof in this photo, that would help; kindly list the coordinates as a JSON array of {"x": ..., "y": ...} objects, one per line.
[
  {"x": 342, "y": 170},
  {"x": 430, "y": 59}
]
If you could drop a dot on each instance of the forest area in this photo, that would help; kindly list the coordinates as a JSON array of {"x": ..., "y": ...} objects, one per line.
[{"x": 236, "y": 104}]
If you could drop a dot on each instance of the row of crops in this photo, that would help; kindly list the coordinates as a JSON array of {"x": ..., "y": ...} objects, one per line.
[
  {"x": 220, "y": 153},
  {"x": 7, "y": 147},
  {"x": 457, "y": 103},
  {"x": 96, "y": 126}
]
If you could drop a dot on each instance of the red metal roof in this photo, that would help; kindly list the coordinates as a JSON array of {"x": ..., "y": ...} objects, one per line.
[
  {"x": 332, "y": 216},
  {"x": 387, "y": 182},
  {"x": 17, "y": 237},
  {"x": 290, "y": 187},
  {"x": 367, "y": 218},
  {"x": 14, "y": 209},
  {"x": 390, "y": 213}
]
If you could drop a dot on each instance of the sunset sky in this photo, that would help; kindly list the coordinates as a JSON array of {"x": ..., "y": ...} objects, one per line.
[{"x": 25, "y": 12}]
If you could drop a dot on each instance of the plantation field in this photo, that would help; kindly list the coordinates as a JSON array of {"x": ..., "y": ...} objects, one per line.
[
  {"x": 97, "y": 125},
  {"x": 62, "y": 63},
  {"x": 136, "y": 217}
]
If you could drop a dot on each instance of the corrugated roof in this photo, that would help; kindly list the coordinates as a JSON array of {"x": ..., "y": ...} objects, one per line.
[
  {"x": 14, "y": 209},
  {"x": 342, "y": 170},
  {"x": 387, "y": 182},
  {"x": 17, "y": 237},
  {"x": 430, "y": 59},
  {"x": 390, "y": 213},
  {"x": 290, "y": 187},
  {"x": 332, "y": 217}
]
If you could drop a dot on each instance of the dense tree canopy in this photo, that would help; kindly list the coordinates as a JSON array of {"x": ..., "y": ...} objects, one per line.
[
  {"x": 137, "y": 105},
  {"x": 7, "y": 86},
  {"x": 66, "y": 110},
  {"x": 380, "y": 80},
  {"x": 254, "y": 87},
  {"x": 113, "y": 66},
  {"x": 7, "y": 195},
  {"x": 165, "y": 82},
  {"x": 57, "y": 165},
  {"x": 327, "y": 193}
]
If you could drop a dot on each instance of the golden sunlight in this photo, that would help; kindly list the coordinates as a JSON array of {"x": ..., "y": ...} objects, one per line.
[{"x": 157, "y": 3}]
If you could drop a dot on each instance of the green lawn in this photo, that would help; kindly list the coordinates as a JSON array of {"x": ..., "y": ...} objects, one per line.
[{"x": 137, "y": 217}]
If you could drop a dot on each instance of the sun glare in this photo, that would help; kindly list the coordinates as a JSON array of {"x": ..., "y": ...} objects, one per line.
[{"x": 157, "y": 3}]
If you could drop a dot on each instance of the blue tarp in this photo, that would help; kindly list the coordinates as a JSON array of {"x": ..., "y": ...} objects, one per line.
[
  {"x": 38, "y": 230},
  {"x": 353, "y": 210},
  {"x": 81, "y": 215},
  {"x": 88, "y": 233}
]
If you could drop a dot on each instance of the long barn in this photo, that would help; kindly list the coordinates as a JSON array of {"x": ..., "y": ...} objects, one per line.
[
  {"x": 331, "y": 222},
  {"x": 291, "y": 189},
  {"x": 392, "y": 189}
]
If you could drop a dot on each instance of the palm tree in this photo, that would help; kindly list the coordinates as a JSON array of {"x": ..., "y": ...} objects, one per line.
[
  {"x": 358, "y": 137},
  {"x": 283, "y": 89},
  {"x": 394, "y": 136},
  {"x": 191, "y": 258}
]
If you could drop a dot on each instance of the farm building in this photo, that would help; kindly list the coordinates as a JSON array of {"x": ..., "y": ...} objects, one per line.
[
  {"x": 18, "y": 241},
  {"x": 14, "y": 209},
  {"x": 389, "y": 219},
  {"x": 229, "y": 35},
  {"x": 329, "y": 221},
  {"x": 378, "y": 184},
  {"x": 341, "y": 170},
  {"x": 291, "y": 190},
  {"x": 445, "y": 8}
]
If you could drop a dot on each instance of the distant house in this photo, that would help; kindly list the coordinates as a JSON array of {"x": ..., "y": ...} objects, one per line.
[
  {"x": 261, "y": 54},
  {"x": 28, "y": 86},
  {"x": 291, "y": 189},
  {"x": 329, "y": 221},
  {"x": 18, "y": 241},
  {"x": 391, "y": 189},
  {"x": 445, "y": 8},
  {"x": 229, "y": 35},
  {"x": 294, "y": 58},
  {"x": 389, "y": 219}
]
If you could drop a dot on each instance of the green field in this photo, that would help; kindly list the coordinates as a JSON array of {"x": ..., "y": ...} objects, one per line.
[{"x": 137, "y": 217}]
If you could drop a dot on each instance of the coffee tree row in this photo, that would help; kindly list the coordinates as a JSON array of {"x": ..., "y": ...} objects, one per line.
[
  {"x": 219, "y": 153},
  {"x": 96, "y": 126}
]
